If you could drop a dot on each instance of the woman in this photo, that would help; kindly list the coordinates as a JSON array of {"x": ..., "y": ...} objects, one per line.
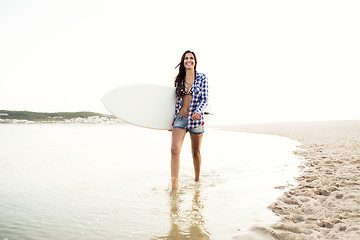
[{"x": 192, "y": 93}]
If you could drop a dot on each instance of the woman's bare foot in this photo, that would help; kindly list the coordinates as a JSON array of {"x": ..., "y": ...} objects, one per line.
[{"x": 174, "y": 183}]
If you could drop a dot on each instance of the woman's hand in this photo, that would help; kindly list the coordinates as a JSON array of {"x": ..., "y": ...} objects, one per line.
[{"x": 196, "y": 116}]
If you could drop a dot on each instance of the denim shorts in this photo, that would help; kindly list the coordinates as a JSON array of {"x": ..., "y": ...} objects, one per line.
[{"x": 182, "y": 122}]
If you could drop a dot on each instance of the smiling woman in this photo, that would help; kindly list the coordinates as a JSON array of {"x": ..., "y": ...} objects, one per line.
[{"x": 192, "y": 93}]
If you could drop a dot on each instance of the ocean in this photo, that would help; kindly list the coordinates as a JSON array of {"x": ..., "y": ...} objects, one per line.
[{"x": 68, "y": 181}]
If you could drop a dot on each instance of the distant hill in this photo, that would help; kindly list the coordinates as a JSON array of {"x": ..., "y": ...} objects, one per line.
[{"x": 45, "y": 117}]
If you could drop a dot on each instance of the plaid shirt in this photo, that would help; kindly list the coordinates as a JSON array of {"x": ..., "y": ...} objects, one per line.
[{"x": 199, "y": 100}]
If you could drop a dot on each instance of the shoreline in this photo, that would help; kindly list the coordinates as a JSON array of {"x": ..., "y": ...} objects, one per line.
[{"x": 325, "y": 202}]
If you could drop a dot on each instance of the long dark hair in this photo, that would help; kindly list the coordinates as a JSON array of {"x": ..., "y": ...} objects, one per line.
[{"x": 180, "y": 78}]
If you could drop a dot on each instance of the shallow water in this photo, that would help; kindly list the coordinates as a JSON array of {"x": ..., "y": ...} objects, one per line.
[{"x": 113, "y": 182}]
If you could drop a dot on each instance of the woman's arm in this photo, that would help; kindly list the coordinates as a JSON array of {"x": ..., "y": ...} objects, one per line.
[{"x": 204, "y": 95}]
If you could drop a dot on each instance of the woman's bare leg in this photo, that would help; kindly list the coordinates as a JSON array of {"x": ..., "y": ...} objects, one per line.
[
  {"x": 177, "y": 139},
  {"x": 195, "y": 149}
]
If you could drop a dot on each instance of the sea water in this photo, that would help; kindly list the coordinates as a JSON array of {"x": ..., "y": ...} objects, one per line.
[{"x": 113, "y": 182}]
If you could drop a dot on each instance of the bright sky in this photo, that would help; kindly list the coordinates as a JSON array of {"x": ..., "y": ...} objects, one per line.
[{"x": 266, "y": 60}]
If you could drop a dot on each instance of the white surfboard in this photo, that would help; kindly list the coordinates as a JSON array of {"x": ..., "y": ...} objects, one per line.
[{"x": 144, "y": 105}]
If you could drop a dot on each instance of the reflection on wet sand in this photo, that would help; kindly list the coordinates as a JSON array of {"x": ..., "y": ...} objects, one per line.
[{"x": 188, "y": 224}]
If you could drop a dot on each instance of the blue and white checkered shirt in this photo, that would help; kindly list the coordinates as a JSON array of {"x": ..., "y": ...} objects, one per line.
[{"x": 199, "y": 100}]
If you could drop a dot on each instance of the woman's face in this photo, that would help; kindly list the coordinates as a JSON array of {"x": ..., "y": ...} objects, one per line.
[{"x": 189, "y": 61}]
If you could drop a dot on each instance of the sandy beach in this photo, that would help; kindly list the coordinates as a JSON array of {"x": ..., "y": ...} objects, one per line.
[{"x": 326, "y": 202}]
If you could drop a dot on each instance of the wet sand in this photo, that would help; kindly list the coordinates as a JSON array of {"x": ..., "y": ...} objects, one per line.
[{"x": 326, "y": 202}]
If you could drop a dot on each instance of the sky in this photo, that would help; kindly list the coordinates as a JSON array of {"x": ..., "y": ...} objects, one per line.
[{"x": 266, "y": 60}]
